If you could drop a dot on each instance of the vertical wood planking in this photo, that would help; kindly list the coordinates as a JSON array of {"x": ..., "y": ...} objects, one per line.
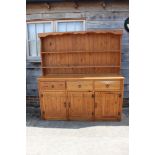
[{"x": 88, "y": 52}]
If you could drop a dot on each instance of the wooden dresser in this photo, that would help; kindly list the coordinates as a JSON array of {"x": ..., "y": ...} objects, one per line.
[{"x": 81, "y": 75}]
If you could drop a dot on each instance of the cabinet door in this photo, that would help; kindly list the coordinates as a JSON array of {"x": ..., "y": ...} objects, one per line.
[
  {"x": 80, "y": 105},
  {"x": 54, "y": 105},
  {"x": 106, "y": 105}
]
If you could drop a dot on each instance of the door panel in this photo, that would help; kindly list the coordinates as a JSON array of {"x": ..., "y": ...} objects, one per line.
[
  {"x": 54, "y": 105},
  {"x": 80, "y": 105},
  {"x": 106, "y": 105}
]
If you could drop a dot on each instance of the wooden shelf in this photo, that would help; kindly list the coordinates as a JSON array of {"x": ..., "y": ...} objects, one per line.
[
  {"x": 76, "y": 52},
  {"x": 80, "y": 67},
  {"x": 81, "y": 52}
]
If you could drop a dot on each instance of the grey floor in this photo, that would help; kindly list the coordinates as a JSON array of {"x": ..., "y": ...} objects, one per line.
[{"x": 77, "y": 137}]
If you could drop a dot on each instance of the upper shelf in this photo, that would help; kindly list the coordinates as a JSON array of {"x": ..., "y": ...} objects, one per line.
[
  {"x": 101, "y": 66},
  {"x": 75, "y": 52}
]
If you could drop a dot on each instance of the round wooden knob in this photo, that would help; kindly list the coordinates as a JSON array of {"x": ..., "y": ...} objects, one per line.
[
  {"x": 107, "y": 85},
  {"x": 79, "y": 86},
  {"x": 52, "y": 86}
]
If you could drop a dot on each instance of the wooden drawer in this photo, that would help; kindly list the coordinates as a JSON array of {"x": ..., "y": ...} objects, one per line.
[
  {"x": 107, "y": 85},
  {"x": 79, "y": 85},
  {"x": 52, "y": 85}
]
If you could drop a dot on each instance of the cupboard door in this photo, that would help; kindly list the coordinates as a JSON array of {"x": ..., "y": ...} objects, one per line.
[
  {"x": 54, "y": 105},
  {"x": 106, "y": 105},
  {"x": 80, "y": 105}
]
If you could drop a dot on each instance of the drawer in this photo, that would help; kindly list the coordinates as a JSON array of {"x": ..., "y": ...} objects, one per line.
[
  {"x": 52, "y": 85},
  {"x": 79, "y": 85},
  {"x": 107, "y": 85}
]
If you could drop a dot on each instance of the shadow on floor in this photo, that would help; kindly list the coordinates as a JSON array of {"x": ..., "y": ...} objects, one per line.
[{"x": 35, "y": 121}]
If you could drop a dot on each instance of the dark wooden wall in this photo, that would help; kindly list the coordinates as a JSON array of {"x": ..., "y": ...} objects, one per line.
[{"x": 111, "y": 15}]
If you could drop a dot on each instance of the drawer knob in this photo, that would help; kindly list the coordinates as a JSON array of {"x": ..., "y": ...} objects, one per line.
[
  {"x": 79, "y": 86},
  {"x": 52, "y": 86},
  {"x": 107, "y": 85}
]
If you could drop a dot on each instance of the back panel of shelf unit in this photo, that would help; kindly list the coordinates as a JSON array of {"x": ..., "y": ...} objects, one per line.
[{"x": 81, "y": 53}]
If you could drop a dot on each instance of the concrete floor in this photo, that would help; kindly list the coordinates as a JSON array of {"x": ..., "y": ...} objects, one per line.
[{"x": 77, "y": 138}]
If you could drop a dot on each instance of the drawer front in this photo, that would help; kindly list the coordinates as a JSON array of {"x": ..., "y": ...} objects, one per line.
[
  {"x": 107, "y": 85},
  {"x": 52, "y": 85},
  {"x": 79, "y": 85}
]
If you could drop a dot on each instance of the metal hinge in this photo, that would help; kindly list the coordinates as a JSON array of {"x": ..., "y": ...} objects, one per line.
[
  {"x": 65, "y": 104},
  {"x": 93, "y": 95}
]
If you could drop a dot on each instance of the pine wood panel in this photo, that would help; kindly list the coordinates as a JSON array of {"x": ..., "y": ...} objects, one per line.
[
  {"x": 80, "y": 105},
  {"x": 81, "y": 52},
  {"x": 107, "y": 105},
  {"x": 54, "y": 104}
]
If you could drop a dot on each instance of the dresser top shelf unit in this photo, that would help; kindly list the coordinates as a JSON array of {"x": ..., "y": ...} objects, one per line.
[{"x": 83, "y": 52}]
